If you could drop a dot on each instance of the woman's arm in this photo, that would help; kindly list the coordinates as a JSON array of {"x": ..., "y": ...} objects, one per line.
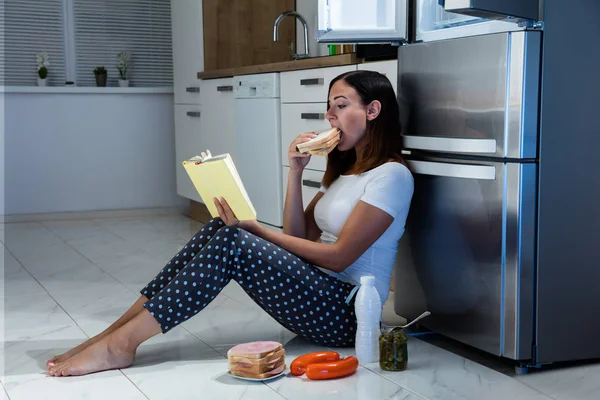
[
  {"x": 294, "y": 223},
  {"x": 355, "y": 238}
]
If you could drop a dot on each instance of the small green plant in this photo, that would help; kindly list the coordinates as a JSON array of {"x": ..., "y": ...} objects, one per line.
[
  {"x": 99, "y": 71},
  {"x": 43, "y": 72},
  {"x": 123, "y": 63},
  {"x": 42, "y": 64}
]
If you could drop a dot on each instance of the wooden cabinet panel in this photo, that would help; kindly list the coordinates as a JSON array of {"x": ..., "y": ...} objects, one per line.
[{"x": 238, "y": 33}]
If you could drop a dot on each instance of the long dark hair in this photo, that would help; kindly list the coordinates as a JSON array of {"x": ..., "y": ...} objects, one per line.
[{"x": 382, "y": 133}]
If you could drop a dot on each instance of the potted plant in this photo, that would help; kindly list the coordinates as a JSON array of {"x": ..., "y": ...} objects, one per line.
[
  {"x": 42, "y": 67},
  {"x": 101, "y": 75},
  {"x": 122, "y": 65}
]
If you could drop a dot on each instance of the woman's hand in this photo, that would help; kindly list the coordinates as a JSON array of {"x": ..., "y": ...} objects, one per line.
[
  {"x": 299, "y": 160},
  {"x": 229, "y": 218}
]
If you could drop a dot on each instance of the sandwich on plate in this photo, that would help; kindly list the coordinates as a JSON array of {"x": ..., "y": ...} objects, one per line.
[
  {"x": 322, "y": 144},
  {"x": 257, "y": 360}
]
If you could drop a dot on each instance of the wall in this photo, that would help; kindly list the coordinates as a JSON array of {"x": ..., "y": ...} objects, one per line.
[
  {"x": 308, "y": 9},
  {"x": 81, "y": 149}
]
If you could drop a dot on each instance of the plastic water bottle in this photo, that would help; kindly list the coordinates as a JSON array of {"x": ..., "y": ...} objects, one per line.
[{"x": 367, "y": 307}]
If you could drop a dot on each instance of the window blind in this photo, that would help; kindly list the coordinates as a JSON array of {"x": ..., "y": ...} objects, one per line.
[
  {"x": 28, "y": 27},
  {"x": 142, "y": 27}
]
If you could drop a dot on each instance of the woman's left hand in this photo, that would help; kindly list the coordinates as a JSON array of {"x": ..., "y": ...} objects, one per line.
[{"x": 229, "y": 218}]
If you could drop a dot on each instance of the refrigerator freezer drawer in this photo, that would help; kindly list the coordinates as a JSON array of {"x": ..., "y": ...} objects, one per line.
[
  {"x": 476, "y": 95},
  {"x": 468, "y": 253}
]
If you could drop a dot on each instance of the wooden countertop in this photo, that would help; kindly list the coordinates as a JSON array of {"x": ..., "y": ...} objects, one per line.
[{"x": 307, "y": 63}]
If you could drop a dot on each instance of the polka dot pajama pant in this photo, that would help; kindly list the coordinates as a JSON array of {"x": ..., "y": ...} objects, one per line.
[{"x": 300, "y": 296}]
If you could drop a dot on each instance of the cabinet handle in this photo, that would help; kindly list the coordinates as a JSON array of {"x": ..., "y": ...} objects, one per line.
[
  {"x": 312, "y": 116},
  {"x": 192, "y": 89},
  {"x": 194, "y": 114},
  {"x": 312, "y": 81},
  {"x": 225, "y": 88},
  {"x": 310, "y": 183}
]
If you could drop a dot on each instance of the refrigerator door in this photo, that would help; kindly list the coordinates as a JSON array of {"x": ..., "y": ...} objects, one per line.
[
  {"x": 468, "y": 253},
  {"x": 434, "y": 22},
  {"x": 362, "y": 21},
  {"x": 476, "y": 96}
]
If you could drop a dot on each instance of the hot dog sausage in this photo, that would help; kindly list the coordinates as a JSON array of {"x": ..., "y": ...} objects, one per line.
[
  {"x": 330, "y": 370},
  {"x": 298, "y": 366}
]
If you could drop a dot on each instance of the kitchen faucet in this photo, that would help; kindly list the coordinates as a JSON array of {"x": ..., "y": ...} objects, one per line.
[{"x": 295, "y": 55}]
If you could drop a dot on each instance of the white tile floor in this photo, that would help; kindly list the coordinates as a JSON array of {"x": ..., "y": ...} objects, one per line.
[{"x": 66, "y": 280}]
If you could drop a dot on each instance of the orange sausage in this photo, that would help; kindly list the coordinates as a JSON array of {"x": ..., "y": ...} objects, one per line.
[
  {"x": 298, "y": 366},
  {"x": 330, "y": 370}
]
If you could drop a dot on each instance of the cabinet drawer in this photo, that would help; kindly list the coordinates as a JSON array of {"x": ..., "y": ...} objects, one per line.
[
  {"x": 311, "y": 181},
  {"x": 309, "y": 85},
  {"x": 388, "y": 68},
  {"x": 188, "y": 143},
  {"x": 216, "y": 91},
  {"x": 300, "y": 118}
]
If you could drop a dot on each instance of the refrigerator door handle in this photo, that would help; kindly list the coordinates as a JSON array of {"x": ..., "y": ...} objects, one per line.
[
  {"x": 453, "y": 145},
  {"x": 485, "y": 172}
]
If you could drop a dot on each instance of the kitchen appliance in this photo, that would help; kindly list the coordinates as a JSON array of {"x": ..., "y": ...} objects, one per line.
[
  {"x": 499, "y": 130},
  {"x": 258, "y": 131}
]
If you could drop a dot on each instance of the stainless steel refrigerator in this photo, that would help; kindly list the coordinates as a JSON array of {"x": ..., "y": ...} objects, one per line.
[
  {"x": 470, "y": 111},
  {"x": 501, "y": 128}
]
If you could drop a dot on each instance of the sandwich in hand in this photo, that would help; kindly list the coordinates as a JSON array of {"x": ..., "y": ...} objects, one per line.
[
  {"x": 322, "y": 144},
  {"x": 257, "y": 360}
]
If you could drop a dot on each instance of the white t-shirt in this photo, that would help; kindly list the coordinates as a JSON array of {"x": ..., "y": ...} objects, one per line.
[{"x": 388, "y": 187}]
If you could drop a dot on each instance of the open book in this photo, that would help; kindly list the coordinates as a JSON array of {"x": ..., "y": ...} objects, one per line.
[{"x": 216, "y": 176}]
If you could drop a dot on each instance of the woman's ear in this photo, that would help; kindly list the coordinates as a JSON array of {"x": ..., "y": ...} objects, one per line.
[{"x": 373, "y": 110}]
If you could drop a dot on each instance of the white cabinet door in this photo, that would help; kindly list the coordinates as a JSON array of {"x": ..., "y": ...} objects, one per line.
[
  {"x": 217, "y": 124},
  {"x": 309, "y": 85},
  {"x": 187, "y": 145},
  {"x": 311, "y": 182},
  {"x": 300, "y": 118},
  {"x": 188, "y": 49},
  {"x": 388, "y": 68},
  {"x": 355, "y": 21}
]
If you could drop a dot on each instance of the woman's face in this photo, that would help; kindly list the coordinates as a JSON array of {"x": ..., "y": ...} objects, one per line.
[{"x": 348, "y": 114}]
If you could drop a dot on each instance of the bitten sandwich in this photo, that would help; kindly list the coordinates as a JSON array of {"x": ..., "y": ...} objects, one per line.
[
  {"x": 322, "y": 144},
  {"x": 257, "y": 360}
]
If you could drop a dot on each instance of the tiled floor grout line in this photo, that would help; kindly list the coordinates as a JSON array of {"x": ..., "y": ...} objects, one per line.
[
  {"x": 133, "y": 383},
  {"x": 65, "y": 311},
  {"x": 129, "y": 289},
  {"x": 397, "y": 384},
  {"x": 61, "y": 307}
]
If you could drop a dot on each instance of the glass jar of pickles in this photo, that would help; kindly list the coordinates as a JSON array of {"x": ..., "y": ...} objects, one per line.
[{"x": 393, "y": 349}]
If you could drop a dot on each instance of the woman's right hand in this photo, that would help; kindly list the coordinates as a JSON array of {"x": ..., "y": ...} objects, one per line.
[{"x": 299, "y": 160}]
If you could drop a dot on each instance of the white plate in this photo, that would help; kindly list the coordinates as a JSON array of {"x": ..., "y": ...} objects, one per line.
[{"x": 257, "y": 379}]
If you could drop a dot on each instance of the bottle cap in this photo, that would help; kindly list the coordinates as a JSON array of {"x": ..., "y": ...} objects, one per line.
[{"x": 367, "y": 279}]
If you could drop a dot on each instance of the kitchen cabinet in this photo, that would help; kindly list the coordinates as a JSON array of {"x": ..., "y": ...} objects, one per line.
[
  {"x": 309, "y": 85},
  {"x": 198, "y": 128},
  {"x": 298, "y": 118},
  {"x": 188, "y": 49},
  {"x": 217, "y": 123},
  {"x": 311, "y": 182},
  {"x": 303, "y": 106},
  {"x": 187, "y": 141},
  {"x": 389, "y": 68}
]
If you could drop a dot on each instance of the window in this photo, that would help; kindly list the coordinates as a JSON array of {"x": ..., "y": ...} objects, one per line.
[
  {"x": 105, "y": 27},
  {"x": 28, "y": 27},
  {"x": 79, "y": 35}
]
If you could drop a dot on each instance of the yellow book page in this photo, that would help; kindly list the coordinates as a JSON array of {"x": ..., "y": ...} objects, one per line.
[{"x": 215, "y": 178}]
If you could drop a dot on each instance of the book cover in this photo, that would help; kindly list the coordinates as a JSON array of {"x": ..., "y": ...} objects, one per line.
[{"x": 216, "y": 176}]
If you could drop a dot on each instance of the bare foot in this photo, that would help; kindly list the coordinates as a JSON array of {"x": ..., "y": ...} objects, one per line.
[
  {"x": 108, "y": 353},
  {"x": 65, "y": 356}
]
